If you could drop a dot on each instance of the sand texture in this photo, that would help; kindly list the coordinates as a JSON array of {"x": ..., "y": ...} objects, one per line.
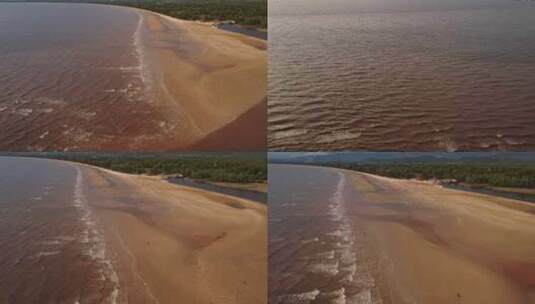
[
  {"x": 177, "y": 243},
  {"x": 134, "y": 81},
  {"x": 208, "y": 82},
  {"x": 436, "y": 245},
  {"x": 72, "y": 233}
]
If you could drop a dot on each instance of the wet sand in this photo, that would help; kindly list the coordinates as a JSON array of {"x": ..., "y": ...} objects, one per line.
[
  {"x": 244, "y": 130},
  {"x": 420, "y": 243},
  {"x": 130, "y": 238},
  {"x": 205, "y": 80},
  {"x": 315, "y": 255},
  {"x": 138, "y": 81},
  {"x": 446, "y": 246}
]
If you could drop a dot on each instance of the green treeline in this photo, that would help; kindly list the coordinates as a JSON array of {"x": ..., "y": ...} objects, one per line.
[
  {"x": 491, "y": 174},
  {"x": 249, "y": 13},
  {"x": 233, "y": 168}
]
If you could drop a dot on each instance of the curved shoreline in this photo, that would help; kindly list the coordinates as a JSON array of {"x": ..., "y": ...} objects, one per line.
[
  {"x": 212, "y": 80},
  {"x": 150, "y": 241},
  {"x": 180, "y": 82},
  {"x": 426, "y": 243}
]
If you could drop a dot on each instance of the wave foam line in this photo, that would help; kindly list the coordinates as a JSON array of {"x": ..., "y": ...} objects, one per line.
[
  {"x": 91, "y": 236},
  {"x": 347, "y": 261},
  {"x": 140, "y": 53}
]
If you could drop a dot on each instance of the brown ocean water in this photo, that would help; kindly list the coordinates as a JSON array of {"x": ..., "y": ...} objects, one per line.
[
  {"x": 72, "y": 76},
  {"x": 315, "y": 255},
  {"x": 401, "y": 75},
  {"x": 51, "y": 248}
]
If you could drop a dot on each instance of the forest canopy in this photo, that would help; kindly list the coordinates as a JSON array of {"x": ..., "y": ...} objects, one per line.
[
  {"x": 485, "y": 173},
  {"x": 250, "y": 13},
  {"x": 216, "y": 167}
]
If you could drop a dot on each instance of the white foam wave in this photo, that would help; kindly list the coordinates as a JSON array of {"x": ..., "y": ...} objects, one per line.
[
  {"x": 325, "y": 255},
  {"x": 47, "y": 253},
  {"x": 337, "y": 296},
  {"x": 139, "y": 49},
  {"x": 350, "y": 273},
  {"x": 363, "y": 297},
  {"x": 310, "y": 240},
  {"x": 304, "y": 297},
  {"x": 329, "y": 268},
  {"x": 288, "y": 133},
  {"x": 90, "y": 237},
  {"x": 337, "y": 136}
]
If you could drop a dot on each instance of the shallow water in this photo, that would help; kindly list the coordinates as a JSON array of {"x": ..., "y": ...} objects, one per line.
[
  {"x": 396, "y": 75},
  {"x": 313, "y": 249},
  {"x": 243, "y": 30},
  {"x": 72, "y": 76},
  {"x": 247, "y": 194},
  {"x": 52, "y": 250}
]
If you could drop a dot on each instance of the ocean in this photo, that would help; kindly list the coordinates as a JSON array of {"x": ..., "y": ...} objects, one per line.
[
  {"x": 315, "y": 254},
  {"x": 401, "y": 75},
  {"x": 73, "y": 77},
  {"x": 52, "y": 248}
]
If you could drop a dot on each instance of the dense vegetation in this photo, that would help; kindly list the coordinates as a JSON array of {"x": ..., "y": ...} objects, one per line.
[
  {"x": 218, "y": 167},
  {"x": 484, "y": 173},
  {"x": 251, "y": 13}
]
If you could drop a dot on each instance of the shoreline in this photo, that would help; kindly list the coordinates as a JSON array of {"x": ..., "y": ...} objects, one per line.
[
  {"x": 222, "y": 79},
  {"x": 522, "y": 195},
  {"x": 128, "y": 235},
  {"x": 145, "y": 218},
  {"x": 253, "y": 192},
  {"x": 180, "y": 83},
  {"x": 421, "y": 243},
  {"x": 417, "y": 225},
  {"x": 232, "y": 189},
  {"x": 240, "y": 29},
  {"x": 244, "y": 130},
  {"x": 214, "y": 23}
]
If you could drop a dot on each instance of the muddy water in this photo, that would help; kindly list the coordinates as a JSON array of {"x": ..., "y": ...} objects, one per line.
[
  {"x": 73, "y": 76},
  {"x": 253, "y": 195},
  {"x": 401, "y": 75},
  {"x": 314, "y": 252},
  {"x": 52, "y": 248}
]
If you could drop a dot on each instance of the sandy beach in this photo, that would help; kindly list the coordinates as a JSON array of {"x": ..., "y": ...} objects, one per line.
[
  {"x": 152, "y": 241},
  {"x": 339, "y": 236},
  {"x": 136, "y": 81},
  {"x": 437, "y": 245},
  {"x": 210, "y": 83}
]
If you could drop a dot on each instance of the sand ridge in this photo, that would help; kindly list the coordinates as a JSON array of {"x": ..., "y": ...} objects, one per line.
[
  {"x": 437, "y": 245},
  {"x": 179, "y": 243},
  {"x": 204, "y": 78},
  {"x": 138, "y": 81}
]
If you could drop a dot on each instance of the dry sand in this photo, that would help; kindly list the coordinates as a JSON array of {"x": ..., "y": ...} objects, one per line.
[
  {"x": 155, "y": 84},
  {"x": 175, "y": 244},
  {"x": 436, "y": 245},
  {"x": 211, "y": 84}
]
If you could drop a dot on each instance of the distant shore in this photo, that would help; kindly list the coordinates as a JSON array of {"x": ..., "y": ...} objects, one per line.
[
  {"x": 243, "y": 30},
  {"x": 245, "y": 191}
]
